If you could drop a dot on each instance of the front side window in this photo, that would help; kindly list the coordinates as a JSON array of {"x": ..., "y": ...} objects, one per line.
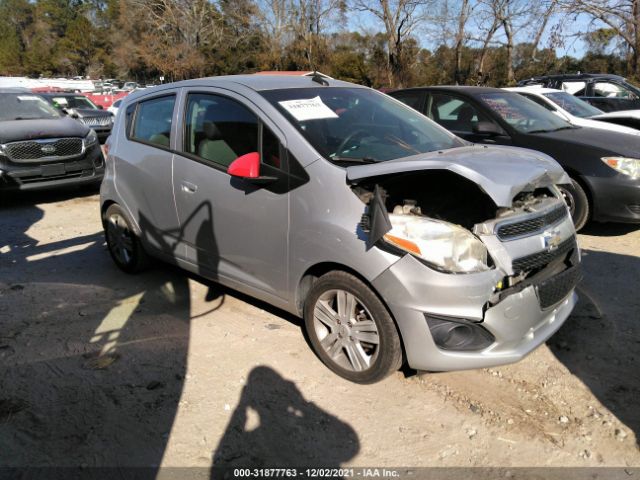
[
  {"x": 219, "y": 129},
  {"x": 522, "y": 114},
  {"x": 613, "y": 90},
  {"x": 357, "y": 124},
  {"x": 572, "y": 104},
  {"x": 25, "y": 106},
  {"x": 454, "y": 113},
  {"x": 152, "y": 122}
]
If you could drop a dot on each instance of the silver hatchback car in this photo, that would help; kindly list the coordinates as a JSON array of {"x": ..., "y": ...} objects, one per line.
[{"x": 395, "y": 240}]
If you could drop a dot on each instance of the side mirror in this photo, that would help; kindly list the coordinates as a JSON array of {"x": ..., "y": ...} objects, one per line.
[
  {"x": 71, "y": 112},
  {"x": 487, "y": 128},
  {"x": 100, "y": 107},
  {"x": 247, "y": 167}
]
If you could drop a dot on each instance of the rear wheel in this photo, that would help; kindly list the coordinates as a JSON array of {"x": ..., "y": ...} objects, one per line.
[
  {"x": 124, "y": 245},
  {"x": 578, "y": 203},
  {"x": 350, "y": 329}
]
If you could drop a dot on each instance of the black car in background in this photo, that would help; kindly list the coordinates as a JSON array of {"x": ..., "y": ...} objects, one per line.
[
  {"x": 80, "y": 107},
  {"x": 604, "y": 166},
  {"x": 41, "y": 147},
  {"x": 607, "y": 92}
]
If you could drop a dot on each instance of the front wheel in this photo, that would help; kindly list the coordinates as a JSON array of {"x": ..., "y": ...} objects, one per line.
[
  {"x": 578, "y": 203},
  {"x": 350, "y": 329},
  {"x": 124, "y": 245}
]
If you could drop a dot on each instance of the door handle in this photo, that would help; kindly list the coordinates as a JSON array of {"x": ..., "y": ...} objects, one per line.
[{"x": 188, "y": 187}]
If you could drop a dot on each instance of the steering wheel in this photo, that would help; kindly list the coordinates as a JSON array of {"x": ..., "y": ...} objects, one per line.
[{"x": 350, "y": 137}]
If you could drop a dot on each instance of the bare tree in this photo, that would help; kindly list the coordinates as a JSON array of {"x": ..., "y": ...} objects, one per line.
[
  {"x": 276, "y": 20},
  {"x": 510, "y": 16},
  {"x": 460, "y": 36},
  {"x": 542, "y": 14},
  {"x": 622, "y": 16},
  {"x": 400, "y": 19}
]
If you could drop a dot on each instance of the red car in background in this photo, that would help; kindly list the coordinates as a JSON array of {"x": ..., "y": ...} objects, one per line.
[{"x": 105, "y": 100}]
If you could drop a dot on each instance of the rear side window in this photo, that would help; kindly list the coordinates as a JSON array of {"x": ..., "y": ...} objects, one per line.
[
  {"x": 152, "y": 123},
  {"x": 219, "y": 129}
]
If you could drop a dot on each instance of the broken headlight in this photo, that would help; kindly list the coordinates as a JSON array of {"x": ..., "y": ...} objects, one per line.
[{"x": 444, "y": 245}]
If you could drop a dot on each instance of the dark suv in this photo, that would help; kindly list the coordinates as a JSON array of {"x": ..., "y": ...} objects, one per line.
[
  {"x": 80, "y": 107},
  {"x": 607, "y": 92},
  {"x": 41, "y": 147}
]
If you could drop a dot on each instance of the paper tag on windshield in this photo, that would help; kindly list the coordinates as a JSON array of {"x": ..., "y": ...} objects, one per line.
[
  {"x": 308, "y": 109},
  {"x": 27, "y": 97}
]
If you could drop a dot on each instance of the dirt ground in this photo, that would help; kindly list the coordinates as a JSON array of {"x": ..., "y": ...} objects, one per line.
[{"x": 101, "y": 368}]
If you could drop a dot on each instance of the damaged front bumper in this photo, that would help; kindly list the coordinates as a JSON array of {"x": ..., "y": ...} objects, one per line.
[{"x": 464, "y": 321}]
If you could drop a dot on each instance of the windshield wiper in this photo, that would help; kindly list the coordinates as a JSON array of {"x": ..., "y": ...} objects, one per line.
[
  {"x": 568, "y": 127},
  {"x": 353, "y": 159}
]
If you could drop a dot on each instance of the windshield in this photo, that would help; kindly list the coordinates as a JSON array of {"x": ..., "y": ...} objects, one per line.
[
  {"x": 357, "y": 124},
  {"x": 573, "y": 105},
  {"x": 75, "y": 102},
  {"x": 25, "y": 106},
  {"x": 523, "y": 114}
]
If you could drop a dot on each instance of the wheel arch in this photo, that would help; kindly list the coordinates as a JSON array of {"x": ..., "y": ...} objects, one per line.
[
  {"x": 316, "y": 271},
  {"x": 579, "y": 178}
]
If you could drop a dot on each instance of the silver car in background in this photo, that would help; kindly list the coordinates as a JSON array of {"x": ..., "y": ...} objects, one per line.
[{"x": 395, "y": 240}]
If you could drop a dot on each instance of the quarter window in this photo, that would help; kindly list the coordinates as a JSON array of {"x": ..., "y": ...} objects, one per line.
[
  {"x": 152, "y": 122},
  {"x": 218, "y": 129}
]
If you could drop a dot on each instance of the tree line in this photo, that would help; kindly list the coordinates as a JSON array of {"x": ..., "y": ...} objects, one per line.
[{"x": 380, "y": 43}]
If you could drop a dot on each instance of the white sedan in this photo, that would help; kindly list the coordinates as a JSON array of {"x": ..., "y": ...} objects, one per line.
[{"x": 576, "y": 111}]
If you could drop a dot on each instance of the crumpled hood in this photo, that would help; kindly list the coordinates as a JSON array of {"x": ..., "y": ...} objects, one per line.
[
  {"x": 17, "y": 130},
  {"x": 502, "y": 172}
]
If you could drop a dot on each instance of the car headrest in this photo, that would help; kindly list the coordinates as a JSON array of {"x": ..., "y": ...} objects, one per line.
[{"x": 211, "y": 131}]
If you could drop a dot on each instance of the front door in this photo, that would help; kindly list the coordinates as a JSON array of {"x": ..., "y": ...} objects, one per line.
[{"x": 233, "y": 231}]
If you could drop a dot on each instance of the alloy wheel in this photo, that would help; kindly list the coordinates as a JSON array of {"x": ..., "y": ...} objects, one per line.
[
  {"x": 346, "y": 330},
  {"x": 120, "y": 238}
]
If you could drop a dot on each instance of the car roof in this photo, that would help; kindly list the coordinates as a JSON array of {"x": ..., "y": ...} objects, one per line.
[
  {"x": 470, "y": 90},
  {"x": 533, "y": 89},
  {"x": 61, "y": 94},
  {"x": 571, "y": 76},
  {"x": 254, "y": 82},
  {"x": 15, "y": 90}
]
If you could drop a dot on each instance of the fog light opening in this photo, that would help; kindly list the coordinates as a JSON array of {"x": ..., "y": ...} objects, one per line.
[{"x": 458, "y": 334}]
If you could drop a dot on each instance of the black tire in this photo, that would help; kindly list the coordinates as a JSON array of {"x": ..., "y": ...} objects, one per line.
[
  {"x": 354, "y": 337},
  {"x": 120, "y": 235},
  {"x": 578, "y": 203}
]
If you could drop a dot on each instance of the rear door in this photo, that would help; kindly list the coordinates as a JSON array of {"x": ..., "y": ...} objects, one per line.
[
  {"x": 144, "y": 177},
  {"x": 232, "y": 230}
]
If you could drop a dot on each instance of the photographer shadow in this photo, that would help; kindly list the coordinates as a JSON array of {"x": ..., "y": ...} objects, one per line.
[{"x": 274, "y": 426}]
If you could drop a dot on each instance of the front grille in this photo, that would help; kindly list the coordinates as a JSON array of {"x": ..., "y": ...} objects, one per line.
[
  {"x": 556, "y": 288},
  {"x": 102, "y": 121},
  {"x": 42, "y": 149},
  {"x": 509, "y": 231},
  {"x": 540, "y": 259}
]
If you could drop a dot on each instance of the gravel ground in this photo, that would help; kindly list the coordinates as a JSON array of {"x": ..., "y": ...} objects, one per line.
[{"x": 101, "y": 368}]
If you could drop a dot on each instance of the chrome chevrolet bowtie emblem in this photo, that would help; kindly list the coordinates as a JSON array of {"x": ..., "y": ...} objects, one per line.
[
  {"x": 551, "y": 239},
  {"x": 48, "y": 149}
]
